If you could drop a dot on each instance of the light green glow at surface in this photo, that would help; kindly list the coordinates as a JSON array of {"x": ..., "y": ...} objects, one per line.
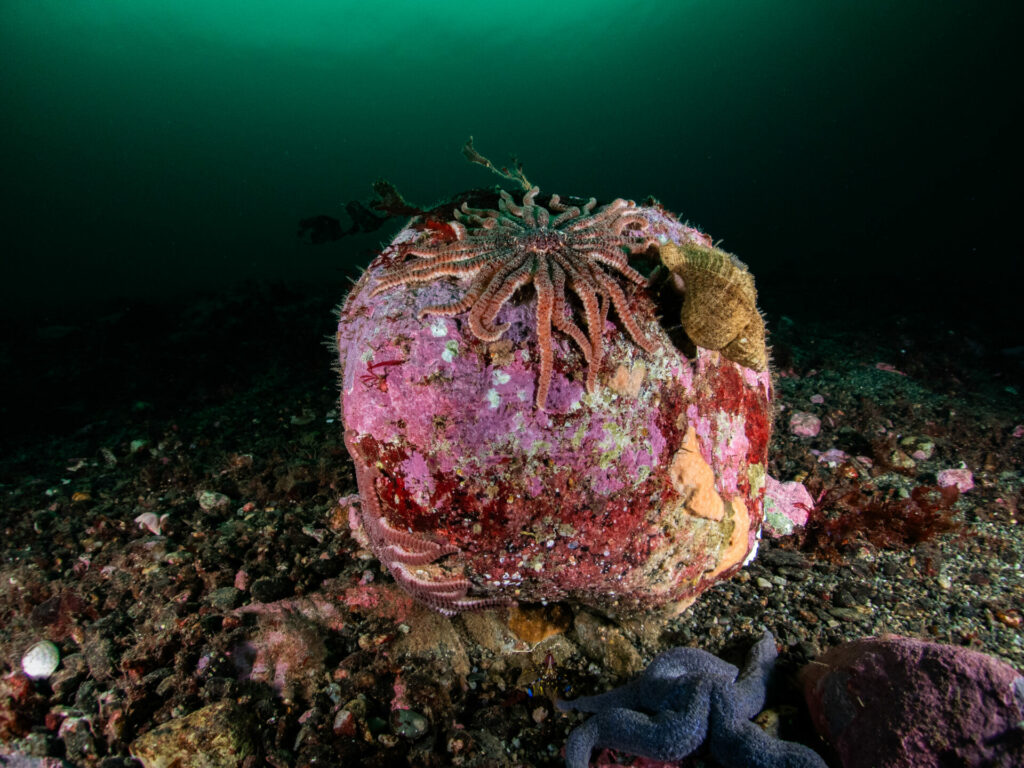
[{"x": 175, "y": 142}]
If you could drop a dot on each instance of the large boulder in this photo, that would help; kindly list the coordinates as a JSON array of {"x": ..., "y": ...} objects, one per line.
[
  {"x": 551, "y": 449},
  {"x": 897, "y": 702}
]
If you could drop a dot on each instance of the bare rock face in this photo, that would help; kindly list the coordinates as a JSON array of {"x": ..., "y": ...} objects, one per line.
[
  {"x": 897, "y": 702},
  {"x": 555, "y": 443}
]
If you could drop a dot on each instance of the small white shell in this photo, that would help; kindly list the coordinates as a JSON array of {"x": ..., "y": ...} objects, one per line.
[{"x": 41, "y": 660}]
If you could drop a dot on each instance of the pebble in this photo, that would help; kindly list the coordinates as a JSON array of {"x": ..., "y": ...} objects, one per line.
[
  {"x": 962, "y": 478},
  {"x": 270, "y": 588},
  {"x": 225, "y": 598},
  {"x": 41, "y": 660},
  {"x": 803, "y": 424},
  {"x": 211, "y": 500},
  {"x": 216, "y": 736},
  {"x": 409, "y": 724}
]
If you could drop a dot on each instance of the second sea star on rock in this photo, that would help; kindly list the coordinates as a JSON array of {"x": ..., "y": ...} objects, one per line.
[{"x": 684, "y": 698}]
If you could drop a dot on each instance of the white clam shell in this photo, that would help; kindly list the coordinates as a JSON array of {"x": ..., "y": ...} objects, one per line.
[{"x": 41, "y": 660}]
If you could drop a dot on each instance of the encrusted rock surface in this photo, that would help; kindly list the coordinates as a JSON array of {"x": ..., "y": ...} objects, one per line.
[{"x": 641, "y": 493}]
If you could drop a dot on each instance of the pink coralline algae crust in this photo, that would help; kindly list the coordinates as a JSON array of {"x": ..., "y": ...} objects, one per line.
[
  {"x": 786, "y": 507},
  {"x": 804, "y": 424},
  {"x": 640, "y": 494},
  {"x": 963, "y": 479}
]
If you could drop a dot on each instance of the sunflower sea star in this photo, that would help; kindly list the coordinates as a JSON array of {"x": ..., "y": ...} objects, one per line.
[{"x": 504, "y": 250}]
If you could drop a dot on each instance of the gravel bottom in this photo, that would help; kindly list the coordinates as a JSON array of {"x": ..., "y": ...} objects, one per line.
[{"x": 170, "y": 522}]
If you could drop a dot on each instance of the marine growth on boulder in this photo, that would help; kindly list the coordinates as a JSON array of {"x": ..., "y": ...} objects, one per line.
[{"x": 525, "y": 428}]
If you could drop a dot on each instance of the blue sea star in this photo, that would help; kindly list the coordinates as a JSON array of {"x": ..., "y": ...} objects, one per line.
[{"x": 684, "y": 697}]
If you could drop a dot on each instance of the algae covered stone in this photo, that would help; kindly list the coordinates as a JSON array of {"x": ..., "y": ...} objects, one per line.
[{"x": 635, "y": 482}]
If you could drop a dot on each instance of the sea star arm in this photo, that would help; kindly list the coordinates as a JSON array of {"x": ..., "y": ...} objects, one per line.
[
  {"x": 689, "y": 662},
  {"x": 736, "y": 742},
  {"x": 633, "y": 695},
  {"x": 752, "y": 684},
  {"x": 545, "y": 304},
  {"x": 401, "y": 551},
  {"x": 742, "y": 744},
  {"x": 665, "y": 736}
]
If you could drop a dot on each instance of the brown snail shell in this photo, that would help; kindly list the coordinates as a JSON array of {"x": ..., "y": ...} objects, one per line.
[{"x": 720, "y": 306}]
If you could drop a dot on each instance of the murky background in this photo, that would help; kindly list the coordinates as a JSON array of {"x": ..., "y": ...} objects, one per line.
[{"x": 864, "y": 150}]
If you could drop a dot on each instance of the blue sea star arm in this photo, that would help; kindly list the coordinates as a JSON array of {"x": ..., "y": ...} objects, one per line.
[
  {"x": 689, "y": 662},
  {"x": 662, "y": 681},
  {"x": 751, "y": 686},
  {"x": 628, "y": 696},
  {"x": 736, "y": 742},
  {"x": 643, "y": 694},
  {"x": 668, "y": 735},
  {"x": 742, "y": 744}
]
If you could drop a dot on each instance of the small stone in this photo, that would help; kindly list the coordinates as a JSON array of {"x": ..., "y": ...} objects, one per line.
[
  {"x": 41, "y": 660},
  {"x": 99, "y": 655},
  {"x": 216, "y": 736},
  {"x": 919, "y": 448},
  {"x": 408, "y": 724},
  {"x": 786, "y": 506},
  {"x": 900, "y": 460},
  {"x": 79, "y": 740},
  {"x": 302, "y": 419},
  {"x": 65, "y": 681},
  {"x": 803, "y": 424},
  {"x": 225, "y": 598},
  {"x": 607, "y": 645},
  {"x": 763, "y": 583},
  {"x": 344, "y": 723},
  {"x": 210, "y": 501},
  {"x": 270, "y": 588},
  {"x": 962, "y": 478}
]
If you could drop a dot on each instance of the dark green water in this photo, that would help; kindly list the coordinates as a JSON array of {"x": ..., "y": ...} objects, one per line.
[{"x": 162, "y": 148}]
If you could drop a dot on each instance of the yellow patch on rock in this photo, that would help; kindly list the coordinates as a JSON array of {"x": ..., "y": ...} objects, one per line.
[
  {"x": 534, "y": 624},
  {"x": 736, "y": 550},
  {"x": 694, "y": 480}
]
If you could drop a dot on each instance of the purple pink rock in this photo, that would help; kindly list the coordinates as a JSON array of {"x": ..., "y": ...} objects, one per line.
[
  {"x": 897, "y": 702},
  {"x": 639, "y": 494},
  {"x": 786, "y": 507},
  {"x": 803, "y": 424},
  {"x": 963, "y": 479}
]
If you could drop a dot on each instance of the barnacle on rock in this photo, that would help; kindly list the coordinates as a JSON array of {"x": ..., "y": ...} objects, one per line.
[{"x": 720, "y": 307}]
